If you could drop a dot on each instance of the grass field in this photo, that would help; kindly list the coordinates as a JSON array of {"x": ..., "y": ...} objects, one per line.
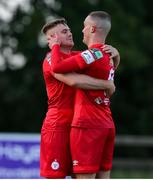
[{"x": 125, "y": 174}]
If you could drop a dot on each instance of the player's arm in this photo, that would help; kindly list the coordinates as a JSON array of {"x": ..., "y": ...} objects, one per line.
[
  {"x": 68, "y": 65},
  {"x": 74, "y": 63},
  {"x": 86, "y": 82},
  {"x": 56, "y": 65}
]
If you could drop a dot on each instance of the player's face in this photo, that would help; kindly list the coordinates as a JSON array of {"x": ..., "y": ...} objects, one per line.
[
  {"x": 64, "y": 34},
  {"x": 88, "y": 23}
]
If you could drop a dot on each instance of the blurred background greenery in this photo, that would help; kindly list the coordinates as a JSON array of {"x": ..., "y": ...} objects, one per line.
[{"x": 23, "y": 101}]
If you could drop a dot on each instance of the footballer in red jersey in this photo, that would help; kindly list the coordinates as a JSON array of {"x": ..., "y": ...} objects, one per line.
[
  {"x": 93, "y": 130},
  {"x": 91, "y": 112},
  {"x": 55, "y": 152},
  {"x": 55, "y": 158}
]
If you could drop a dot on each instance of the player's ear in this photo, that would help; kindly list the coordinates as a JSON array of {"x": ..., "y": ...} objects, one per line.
[
  {"x": 52, "y": 35},
  {"x": 93, "y": 29}
]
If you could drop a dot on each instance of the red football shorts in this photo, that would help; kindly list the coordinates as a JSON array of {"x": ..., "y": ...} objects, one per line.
[
  {"x": 55, "y": 159},
  {"x": 92, "y": 149}
]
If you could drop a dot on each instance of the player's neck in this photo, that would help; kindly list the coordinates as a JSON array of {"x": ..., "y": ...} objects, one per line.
[
  {"x": 66, "y": 50},
  {"x": 96, "y": 40}
]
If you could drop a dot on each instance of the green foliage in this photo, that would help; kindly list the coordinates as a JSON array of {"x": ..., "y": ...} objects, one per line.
[{"x": 22, "y": 91}]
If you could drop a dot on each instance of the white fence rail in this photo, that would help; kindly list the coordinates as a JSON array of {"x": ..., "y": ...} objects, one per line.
[{"x": 131, "y": 141}]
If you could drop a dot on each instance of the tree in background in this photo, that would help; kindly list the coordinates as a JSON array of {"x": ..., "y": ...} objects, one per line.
[{"x": 22, "y": 90}]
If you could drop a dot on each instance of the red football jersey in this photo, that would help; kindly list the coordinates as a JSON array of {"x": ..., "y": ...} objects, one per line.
[
  {"x": 91, "y": 107},
  {"x": 60, "y": 97}
]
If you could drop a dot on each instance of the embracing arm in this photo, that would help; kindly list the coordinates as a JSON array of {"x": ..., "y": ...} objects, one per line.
[
  {"x": 79, "y": 61},
  {"x": 86, "y": 82},
  {"x": 68, "y": 65}
]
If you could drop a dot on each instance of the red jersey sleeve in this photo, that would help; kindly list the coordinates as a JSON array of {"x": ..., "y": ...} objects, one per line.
[
  {"x": 67, "y": 65},
  {"x": 73, "y": 63}
]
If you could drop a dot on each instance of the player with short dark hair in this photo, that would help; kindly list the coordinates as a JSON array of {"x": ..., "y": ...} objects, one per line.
[
  {"x": 93, "y": 131},
  {"x": 52, "y": 24}
]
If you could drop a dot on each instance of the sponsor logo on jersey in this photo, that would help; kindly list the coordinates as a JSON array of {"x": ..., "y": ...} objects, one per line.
[
  {"x": 91, "y": 55},
  {"x": 55, "y": 165},
  {"x": 97, "y": 53},
  {"x": 87, "y": 56},
  {"x": 105, "y": 101},
  {"x": 75, "y": 163}
]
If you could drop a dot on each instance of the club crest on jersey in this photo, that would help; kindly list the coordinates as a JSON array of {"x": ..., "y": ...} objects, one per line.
[
  {"x": 98, "y": 100},
  {"x": 55, "y": 165}
]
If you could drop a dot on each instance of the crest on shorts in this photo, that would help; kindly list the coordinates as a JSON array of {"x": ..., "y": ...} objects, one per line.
[{"x": 55, "y": 165}]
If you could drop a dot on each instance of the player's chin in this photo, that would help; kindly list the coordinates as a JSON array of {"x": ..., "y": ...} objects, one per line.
[
  {"x": 71, "y": 44},
  {"x": 84, "y": 41}
]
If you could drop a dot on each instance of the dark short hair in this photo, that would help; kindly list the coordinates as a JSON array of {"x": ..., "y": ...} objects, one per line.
[
  {"x": 103, "y": 19},
  {"x": 101, "y": 15},
  {"x": 52, "y": 24}
]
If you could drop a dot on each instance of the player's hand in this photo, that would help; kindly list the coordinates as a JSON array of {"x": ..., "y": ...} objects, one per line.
[
  {"x": 114, "y": 54},
  {"x": 110, "y": 91},
  {"x": 52, "y": 40}
]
